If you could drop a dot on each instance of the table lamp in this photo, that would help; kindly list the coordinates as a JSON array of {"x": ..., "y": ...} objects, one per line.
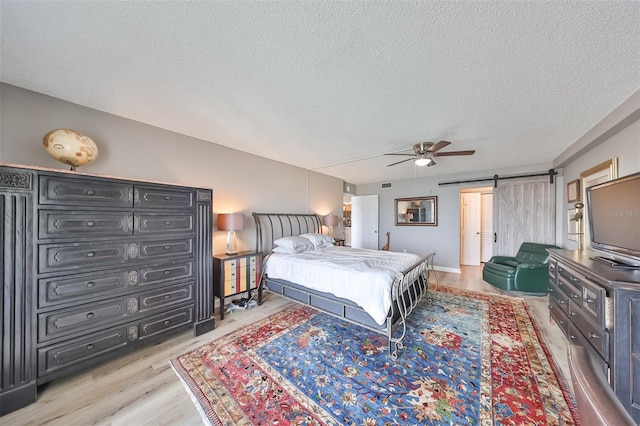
[
  {"x": 231, "y": 222},
  {"x": 330, "y": 221}
]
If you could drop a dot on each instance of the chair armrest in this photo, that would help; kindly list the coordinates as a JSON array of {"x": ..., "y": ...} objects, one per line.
[
  {"x": 532, "y": 266},
  {"x": 502, "y": 259}
]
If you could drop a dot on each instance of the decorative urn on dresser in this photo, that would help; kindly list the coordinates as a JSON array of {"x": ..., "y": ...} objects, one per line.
[
  {"x": 94, "y": 267},
  {"x": 70, "y": 147}
]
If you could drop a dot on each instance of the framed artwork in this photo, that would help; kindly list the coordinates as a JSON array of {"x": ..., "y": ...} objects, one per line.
[
  {"x": 573, "y": 191},
  {"x": 417, "y": 211},
  {"x": 602, "y": 172}
]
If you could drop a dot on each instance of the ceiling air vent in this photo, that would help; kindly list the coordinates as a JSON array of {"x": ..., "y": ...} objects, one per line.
[{"x": 386, "y": 185}]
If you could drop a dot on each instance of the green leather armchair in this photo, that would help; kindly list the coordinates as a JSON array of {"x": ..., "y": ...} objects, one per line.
[{"x": 526, "y": 272}]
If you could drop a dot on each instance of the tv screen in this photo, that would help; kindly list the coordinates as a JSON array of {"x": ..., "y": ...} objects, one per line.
[{"x": 613, "y": 209}]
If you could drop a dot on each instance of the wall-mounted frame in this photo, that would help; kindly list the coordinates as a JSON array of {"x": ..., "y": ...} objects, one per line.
[
  {"x": 421, "y": 211},
  {"x": 603, "y": 172},
  {"x": 573, "y": 191}
]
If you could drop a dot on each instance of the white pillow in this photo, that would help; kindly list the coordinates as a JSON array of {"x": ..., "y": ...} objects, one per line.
[
  {"x": 286, "y": 250},
  {"x": 298, "y": 244},
  {"x": 319, "y": 240}
]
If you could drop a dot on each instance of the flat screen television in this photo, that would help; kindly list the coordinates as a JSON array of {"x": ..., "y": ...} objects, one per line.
[{"x": 613, "y": 209}]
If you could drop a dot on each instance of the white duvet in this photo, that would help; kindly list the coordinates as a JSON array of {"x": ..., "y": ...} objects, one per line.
[{"x": 360, "y": 275}]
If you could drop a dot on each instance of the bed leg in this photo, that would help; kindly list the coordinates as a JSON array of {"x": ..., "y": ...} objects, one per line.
[{"x": 260, "y": 294}]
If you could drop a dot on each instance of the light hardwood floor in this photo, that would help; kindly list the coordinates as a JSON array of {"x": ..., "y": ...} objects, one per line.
[{"x": 142, "y": 389}]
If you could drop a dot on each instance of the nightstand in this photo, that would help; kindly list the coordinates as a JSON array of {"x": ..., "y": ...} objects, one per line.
[{"x": 234, "y": 274}]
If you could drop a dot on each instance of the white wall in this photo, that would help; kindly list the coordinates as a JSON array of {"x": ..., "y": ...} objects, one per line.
[
  {"x": 444, "y": 238},
  {"x": 241, "y": 182},
  {"x": 616, "y": 135},
  {"x": 244, "y": 182}
]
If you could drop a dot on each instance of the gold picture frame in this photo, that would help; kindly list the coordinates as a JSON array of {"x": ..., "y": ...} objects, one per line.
[
  {"x": 421, "y": 211},
  {"x": 573, "y": 191},
  {"x": 603, "y": 172}
]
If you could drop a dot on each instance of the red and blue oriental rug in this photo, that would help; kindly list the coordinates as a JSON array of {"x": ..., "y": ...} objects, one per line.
[{"x": 469, "y": 358}]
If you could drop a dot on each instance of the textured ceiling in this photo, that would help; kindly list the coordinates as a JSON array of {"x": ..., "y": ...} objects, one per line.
[{"x": 337, "y": 84}]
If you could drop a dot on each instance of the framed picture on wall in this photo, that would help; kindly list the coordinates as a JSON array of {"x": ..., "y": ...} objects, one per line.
[{"x": 573, "y": 191}]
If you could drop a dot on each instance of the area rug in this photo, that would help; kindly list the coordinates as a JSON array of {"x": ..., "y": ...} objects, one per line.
[{"x": 469, "y": 358}]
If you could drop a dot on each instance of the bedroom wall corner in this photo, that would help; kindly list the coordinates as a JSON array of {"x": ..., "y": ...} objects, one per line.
[
  {"x": 241, "y": 182},
  {"x": 325, "y": 197}
]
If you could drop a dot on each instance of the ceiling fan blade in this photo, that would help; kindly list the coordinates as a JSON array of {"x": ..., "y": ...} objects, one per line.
[
  {"x": 432, "y": 163},
  {"x": 438, "y": 146},
  {"x": 452, "y": 153},
  {"x": 410, "y": 155},
  {"x": 393, "y": 164}
]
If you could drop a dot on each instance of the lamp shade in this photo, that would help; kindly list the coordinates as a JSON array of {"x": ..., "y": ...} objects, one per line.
[
  {"x": 422, "y": 161},
  {"x": 330, "y": 220},
  {"x": 231, "y": 221}
]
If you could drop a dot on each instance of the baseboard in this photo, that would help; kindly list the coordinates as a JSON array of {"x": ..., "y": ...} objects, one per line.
[{"x": 446, "y": 269}]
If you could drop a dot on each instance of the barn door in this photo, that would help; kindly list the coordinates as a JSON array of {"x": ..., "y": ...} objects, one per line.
[{"x": 523, "y": 211}]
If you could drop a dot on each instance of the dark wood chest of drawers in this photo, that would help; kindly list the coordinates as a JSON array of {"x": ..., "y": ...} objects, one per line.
[
  {"x": 94, "y": 267},
  {"x": 598, "y": 307}
]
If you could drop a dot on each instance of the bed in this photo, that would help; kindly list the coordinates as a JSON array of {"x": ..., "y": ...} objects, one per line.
[{"x": 374, "y": 289}]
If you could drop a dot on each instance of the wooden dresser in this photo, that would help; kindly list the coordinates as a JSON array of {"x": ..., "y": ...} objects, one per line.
[
  {"x": 598, "y": 307},
  {"x": 94, "y": 267}
]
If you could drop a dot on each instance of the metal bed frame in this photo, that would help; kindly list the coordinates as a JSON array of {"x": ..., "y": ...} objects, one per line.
[{"x": 407, "y": 289}]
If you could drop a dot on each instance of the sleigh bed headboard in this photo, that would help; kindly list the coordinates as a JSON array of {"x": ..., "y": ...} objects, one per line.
[{"x": 271, "y": 226}]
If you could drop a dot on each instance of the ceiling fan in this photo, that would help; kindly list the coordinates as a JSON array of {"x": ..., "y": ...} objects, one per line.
[{"x": 425, "y": 151}]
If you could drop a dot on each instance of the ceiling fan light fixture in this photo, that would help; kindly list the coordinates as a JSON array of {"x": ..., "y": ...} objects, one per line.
[{"x": 422, "y": 161}]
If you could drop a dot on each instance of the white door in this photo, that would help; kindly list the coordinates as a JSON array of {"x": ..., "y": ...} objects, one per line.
[
  {"x": 470, "y": 209},
  {"x": 364, "y": 221},
  {"x": 486, "y": 226},
  {"x": 523, "y": 211}
]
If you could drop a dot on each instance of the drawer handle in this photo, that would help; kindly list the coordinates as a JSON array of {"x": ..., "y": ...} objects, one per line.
[
  {"x": 91, "y": 223},
  {"x": 593, "y": 336},
  {"x": 90, "y": 347},
  {"x": 167, "y": 222},
  {"x": 167, "y": 297},
  {"x": 91, "y": 254},
  {"x": 573, "y": 314},
  {"x": 550, "y": 306},
  {"x": 563, "y": 302},
  {"x": 91, "y": 284},
  {"x": 90, "y": 315},
  {"x": 572, "y": 337},
  {"x": 575, "y": 296},
  {"x": 590, "y": 300},
  {"x": 91, "y": 192},
  {"x": 167, "y": 322},
  {"x": 167, "y": 197},
  {"x": 167, "y": 247},
  {"x": 167, "y": 272}
]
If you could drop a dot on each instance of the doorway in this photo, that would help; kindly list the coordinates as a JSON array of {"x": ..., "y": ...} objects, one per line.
[
  {"x": 476, "y": 225},
  {"x": 364, "y": 225},
  {"x": 346, "y": 219}
]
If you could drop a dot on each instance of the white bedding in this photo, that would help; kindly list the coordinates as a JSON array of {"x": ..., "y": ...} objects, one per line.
[{"x": 360, "y": 275}]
